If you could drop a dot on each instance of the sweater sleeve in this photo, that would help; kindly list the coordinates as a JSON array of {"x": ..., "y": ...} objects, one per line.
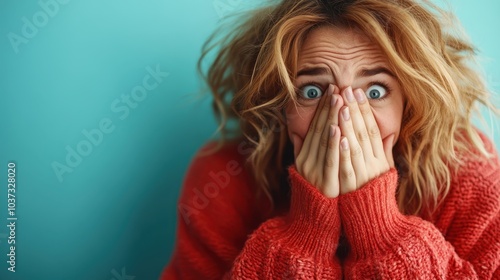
[
  {"x": 386, "y": 244},
  {"x": 213, "y": 240},
  {"x": 300, "y": 245}
]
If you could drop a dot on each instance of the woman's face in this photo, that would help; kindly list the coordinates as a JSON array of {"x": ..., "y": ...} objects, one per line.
[{"x": 344, "y": 57}]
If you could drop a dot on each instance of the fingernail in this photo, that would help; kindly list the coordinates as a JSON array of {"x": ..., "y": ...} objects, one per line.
[
  {"x": 360, "y": 95},
  {"x": 332, "y": 130},
  {"x": 334, "y": 100},
  {"x": 345, "y": 114},
  {"x": 349, "y": 95},
  {"x": 344, "y": 144}
]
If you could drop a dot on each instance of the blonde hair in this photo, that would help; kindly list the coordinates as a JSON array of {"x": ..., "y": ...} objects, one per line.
[{"x": 252, "y": 79}]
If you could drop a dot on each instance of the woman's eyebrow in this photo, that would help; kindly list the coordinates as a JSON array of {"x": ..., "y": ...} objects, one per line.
[
  {"x": 313, "y": 71},
  {"x": 375, "y": 71}
]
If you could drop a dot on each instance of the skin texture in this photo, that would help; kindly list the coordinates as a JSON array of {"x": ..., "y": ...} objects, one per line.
[{"x": 343, "y": 136}]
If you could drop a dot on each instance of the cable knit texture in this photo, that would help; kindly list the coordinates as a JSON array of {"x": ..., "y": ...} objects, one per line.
[{"x": 223, "y": 231}]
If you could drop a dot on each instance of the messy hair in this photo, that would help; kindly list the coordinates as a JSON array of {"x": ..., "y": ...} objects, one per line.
[{"x": 253, "y": 72}]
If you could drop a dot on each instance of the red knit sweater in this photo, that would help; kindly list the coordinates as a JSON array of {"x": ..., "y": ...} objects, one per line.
[{"x": 223, "y": 233}]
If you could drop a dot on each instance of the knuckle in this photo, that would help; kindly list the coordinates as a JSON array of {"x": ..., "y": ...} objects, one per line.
[
  {"x": 365, "y": 110},
  {"x": 324, "y": 141},
  {"x": 326, "y": 107},
  {"x": 312, "y": 126},
  {"x": 331, "y": 143},
  {"x": 362, "y": 136},
  {"x": 329, "y": 162},
  {"x": 374, "y": 131},
  {"x": 317, "y": 128},
  {"x": 346, "y": 158},
  {"x": 330, "y": 117},
  {"x": 356, "y": 151},
  {"x": 347, "y": 174}
]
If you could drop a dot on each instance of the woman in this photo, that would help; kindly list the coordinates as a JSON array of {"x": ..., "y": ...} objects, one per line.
[{"x": 358, "y": 157}]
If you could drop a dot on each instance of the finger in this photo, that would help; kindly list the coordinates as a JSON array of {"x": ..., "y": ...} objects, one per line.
[
  {"x": 388, "y": 144},
  {"x": 331, "y": 166},
  {"x": 321, "y": 130},
  {"x": 324, "y": 121},
  {"x": 346, "y": 171},
  {"x": 306, "y": 148},
  {"x": 371, "y": 125},
  {"x": 358, "y": 123},
  {"x": 336, "y": 103},
  {"x": 356, "y": 152}
]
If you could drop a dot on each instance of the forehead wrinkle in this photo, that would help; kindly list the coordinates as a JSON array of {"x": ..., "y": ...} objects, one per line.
[
  {"x": 370, "y": 63},
  {"x": 332, "y": 62},
  {"x": 372, "y": 58},
  {"x": 335, "y": 69},
  {"x": 342, "y": 54},
  {"x": 352, "y": 53}
]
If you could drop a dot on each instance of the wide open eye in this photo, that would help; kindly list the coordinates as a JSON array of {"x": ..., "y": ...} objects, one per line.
[
  {"x": 311, "y": 92},
  {"x": 376, "y": 92}
]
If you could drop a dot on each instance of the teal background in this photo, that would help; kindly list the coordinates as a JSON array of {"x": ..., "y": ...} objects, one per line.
[{"x": 114, "y": 215}]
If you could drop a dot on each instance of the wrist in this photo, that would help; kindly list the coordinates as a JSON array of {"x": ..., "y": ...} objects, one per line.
[
  {"x": 370, "y": 216},
  {"x": 313, "y": 220}
]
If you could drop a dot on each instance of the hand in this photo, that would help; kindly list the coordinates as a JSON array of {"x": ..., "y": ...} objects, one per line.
[
  {"x": 363, "y": 154},
  {"x": 317, "y": 159}
]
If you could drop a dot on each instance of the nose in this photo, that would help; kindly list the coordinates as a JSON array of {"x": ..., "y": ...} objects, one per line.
[{"x": 344, "y": 79}]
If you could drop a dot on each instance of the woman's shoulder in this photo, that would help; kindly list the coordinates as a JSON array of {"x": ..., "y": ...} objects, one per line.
[
  {"x": 476, "y": 163},
  {"x": 478, "y": 178},
  {"x": 230, "y": 156},
  {"x": 218, "y": 181}
]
